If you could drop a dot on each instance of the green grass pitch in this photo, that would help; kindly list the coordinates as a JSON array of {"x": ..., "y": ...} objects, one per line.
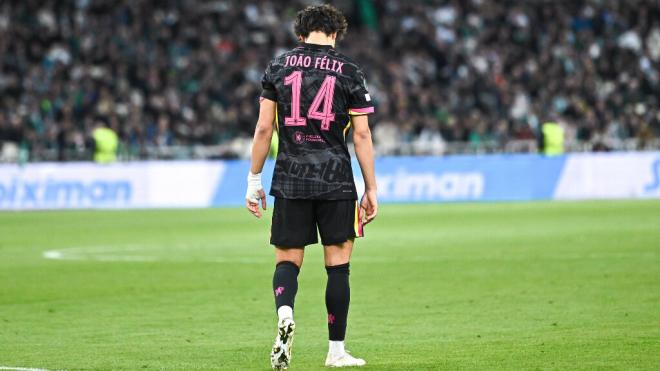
[{"x": 563, "y": 285}]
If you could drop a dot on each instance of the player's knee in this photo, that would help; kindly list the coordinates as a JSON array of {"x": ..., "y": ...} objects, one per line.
[
  {"x": 337, "y": 260},
  {"x": 337, "y": 254},
  {"x": 293, "y": 255}
]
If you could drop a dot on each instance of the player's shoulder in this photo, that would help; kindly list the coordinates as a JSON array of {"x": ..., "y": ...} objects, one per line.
[
  {"x": 350, "y": 67},
  {"x": 280, "y": 59},
  {"x": 339, "y": 55}
]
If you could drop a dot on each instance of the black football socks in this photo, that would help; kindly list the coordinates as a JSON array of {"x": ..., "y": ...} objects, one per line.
[
  {"x": 337, "y": 299},
  {"x": 285, "y": 284}
]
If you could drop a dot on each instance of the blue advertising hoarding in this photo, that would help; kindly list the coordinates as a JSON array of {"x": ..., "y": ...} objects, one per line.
[{"x": 159, "y": 184}]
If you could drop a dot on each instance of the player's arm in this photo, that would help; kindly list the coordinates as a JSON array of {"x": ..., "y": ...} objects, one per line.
[
  {"x": 364, "y": 150},
  {"x": 260, "y": 146}
]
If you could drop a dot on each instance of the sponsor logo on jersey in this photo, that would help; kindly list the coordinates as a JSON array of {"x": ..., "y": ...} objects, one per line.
[{"x": 300, "y": 138}]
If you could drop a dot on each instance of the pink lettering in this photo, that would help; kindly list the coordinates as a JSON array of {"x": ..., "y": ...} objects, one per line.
[
  {"x": 295, "y": 80},
  {"x": 300, "y": 61},
  {"x": 322, "y": 63},
  {"x": 325, "y": 95}
]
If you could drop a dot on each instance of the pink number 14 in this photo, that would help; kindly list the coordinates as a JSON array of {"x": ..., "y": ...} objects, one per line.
[{"x": 324, "y": 95}]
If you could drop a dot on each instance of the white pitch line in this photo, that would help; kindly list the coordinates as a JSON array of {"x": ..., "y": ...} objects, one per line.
[
  {"x": 109, "y": 254},
  {"x": 53, "y": 254},
  {"x": 22, "y": 368}
]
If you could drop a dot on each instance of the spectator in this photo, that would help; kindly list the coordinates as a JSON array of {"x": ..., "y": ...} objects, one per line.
[
  {"x": 105, "y": 143},
  {"x": 187, "y": 72},
  {"x": 11, "y": 137}
]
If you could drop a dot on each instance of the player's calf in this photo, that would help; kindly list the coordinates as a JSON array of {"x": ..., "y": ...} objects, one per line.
[{"x": 337, "y": 299}]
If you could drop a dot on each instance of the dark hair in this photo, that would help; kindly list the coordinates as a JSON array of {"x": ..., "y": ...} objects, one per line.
[{"x": 324, "y": 18}]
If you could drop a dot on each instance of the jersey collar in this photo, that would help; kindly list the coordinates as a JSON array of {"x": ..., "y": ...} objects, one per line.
[{"x": 315, "y": 46}]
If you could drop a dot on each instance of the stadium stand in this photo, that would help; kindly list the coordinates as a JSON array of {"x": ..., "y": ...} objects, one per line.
[{"x": 180, "y": 79}]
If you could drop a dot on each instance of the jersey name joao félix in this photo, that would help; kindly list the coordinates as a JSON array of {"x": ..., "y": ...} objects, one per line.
[{"x": 317, "y": 89}]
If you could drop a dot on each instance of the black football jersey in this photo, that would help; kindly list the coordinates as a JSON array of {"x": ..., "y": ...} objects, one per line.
[{"x": 317, "y": 89}]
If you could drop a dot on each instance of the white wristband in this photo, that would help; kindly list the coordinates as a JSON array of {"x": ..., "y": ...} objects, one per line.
[
  {"x": 253, "y": 187},
  {"x": 254, "y": 179}
]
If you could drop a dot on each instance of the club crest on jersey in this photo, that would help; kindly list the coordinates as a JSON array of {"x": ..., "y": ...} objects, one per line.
[{"x": 298, "y": 137}]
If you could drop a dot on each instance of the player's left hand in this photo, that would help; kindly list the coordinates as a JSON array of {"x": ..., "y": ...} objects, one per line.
[
  {"x": 369, "y": 205},
  {"x": 255, "y": 192}
]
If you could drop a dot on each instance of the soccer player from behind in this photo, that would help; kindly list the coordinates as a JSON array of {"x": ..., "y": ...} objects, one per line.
[{"x": 314, "y": 95}]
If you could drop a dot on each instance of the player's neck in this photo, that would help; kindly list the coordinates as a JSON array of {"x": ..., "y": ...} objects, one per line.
[{"x": 320, "y": 38}]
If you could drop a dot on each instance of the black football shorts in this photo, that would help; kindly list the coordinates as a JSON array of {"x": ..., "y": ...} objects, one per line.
[{"x": 295, "y": 222}]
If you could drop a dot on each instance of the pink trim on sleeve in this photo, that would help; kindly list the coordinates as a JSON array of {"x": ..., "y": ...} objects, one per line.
[{"x": 360, "y": 111}]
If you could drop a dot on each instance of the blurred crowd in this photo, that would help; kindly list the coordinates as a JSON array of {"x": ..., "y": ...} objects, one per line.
[{"x": 164, "y": 73}]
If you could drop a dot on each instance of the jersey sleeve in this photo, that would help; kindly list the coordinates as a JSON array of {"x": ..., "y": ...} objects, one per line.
[
  {"x": 268, "y": 87},
  {"x": 359, "y": 100}
]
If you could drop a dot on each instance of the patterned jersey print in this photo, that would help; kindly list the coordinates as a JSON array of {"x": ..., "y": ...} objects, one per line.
[{"x": 317, "y": 89}]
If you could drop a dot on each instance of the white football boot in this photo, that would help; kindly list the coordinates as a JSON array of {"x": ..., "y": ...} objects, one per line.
[
  {"x": 280, "y": 356},
  {"x": 343, "y": 359}
]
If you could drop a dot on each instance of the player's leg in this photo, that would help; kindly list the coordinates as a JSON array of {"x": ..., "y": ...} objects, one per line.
[
  {"x": 337, "y": 228},
  {"x": 338, "y": 290},
  {"x": 292, "y": 229},
  {"x": 285, "y": 279}
]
